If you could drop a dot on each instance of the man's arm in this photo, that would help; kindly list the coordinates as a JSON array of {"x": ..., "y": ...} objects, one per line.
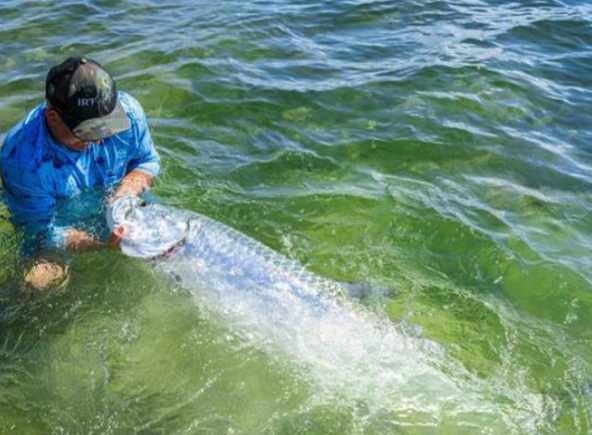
[
  {"x": 145, "y": 158},
  {"x": 77, "y": 240},
  {"x": 31, "y": 207},
  {"x": 45, "y": 273},
  {"x": 134, "y": 183}
]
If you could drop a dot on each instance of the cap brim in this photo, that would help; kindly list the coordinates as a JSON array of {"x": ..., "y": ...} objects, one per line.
[{"x": 101, "y": 128}]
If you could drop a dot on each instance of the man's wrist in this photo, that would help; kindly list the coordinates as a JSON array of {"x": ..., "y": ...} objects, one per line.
[
  {"x": 77, "y": 240},
  {"x": 134, "y": 183}
]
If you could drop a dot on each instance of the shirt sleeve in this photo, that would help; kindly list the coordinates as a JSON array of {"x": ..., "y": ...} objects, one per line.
[
  {"x": 28, "y": 204},
  {"x": 31, "y": 208},
  {"x": 146, "y": 158}
]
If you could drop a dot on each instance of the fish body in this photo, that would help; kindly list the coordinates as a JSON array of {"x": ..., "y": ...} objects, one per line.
[
  {"x": 273, "y": 299},
  {"x": 208, "y": 253}
]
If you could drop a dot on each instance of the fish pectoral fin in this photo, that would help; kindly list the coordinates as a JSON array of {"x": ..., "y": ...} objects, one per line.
[{"x": 357, "y": 290}]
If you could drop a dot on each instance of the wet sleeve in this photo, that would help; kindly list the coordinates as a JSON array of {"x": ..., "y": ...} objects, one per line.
[
  {"x": 146, "y": 158},
  {"x": 32, "y": 209}
]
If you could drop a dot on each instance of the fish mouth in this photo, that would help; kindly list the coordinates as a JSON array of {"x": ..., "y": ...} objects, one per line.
[
  {"x": 120, "y": 210},
  {"x": 152, "y": 231}
]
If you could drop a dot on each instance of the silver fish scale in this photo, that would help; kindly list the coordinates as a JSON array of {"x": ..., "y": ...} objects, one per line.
[{"x": 218, "y": 244}]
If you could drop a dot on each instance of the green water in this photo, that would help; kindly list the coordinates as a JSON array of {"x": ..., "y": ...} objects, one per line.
[{"x": 438, "y": 150}]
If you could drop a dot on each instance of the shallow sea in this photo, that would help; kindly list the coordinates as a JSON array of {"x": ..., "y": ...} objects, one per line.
[{"x": 439, "y": 152}]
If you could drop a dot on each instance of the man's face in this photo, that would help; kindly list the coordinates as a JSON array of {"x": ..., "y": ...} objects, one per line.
[{"x": 62, "y": 133}]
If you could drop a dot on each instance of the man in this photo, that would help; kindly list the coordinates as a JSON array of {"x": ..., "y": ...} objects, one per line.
[{"x": 86, "y": 135}]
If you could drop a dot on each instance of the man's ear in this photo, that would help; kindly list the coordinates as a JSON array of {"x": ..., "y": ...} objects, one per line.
[{"x": 51, "y": 114}]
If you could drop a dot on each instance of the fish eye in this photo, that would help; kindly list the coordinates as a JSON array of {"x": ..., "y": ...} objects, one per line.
[{"x": 143, "y": 203}]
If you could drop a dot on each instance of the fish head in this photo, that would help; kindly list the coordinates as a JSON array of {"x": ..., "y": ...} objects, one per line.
[{"x": 150, "y": 229}]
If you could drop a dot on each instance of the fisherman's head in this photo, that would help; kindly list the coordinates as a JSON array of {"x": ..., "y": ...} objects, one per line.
[{"x": 82, "y": 103}]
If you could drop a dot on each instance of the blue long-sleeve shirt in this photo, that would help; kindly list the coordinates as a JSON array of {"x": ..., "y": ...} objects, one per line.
[{"x": 40, "y": 175}]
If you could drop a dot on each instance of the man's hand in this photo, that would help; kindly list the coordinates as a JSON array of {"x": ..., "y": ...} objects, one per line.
[
  {"x": 44, "y": 275},
  {"x": 116, "y": 238},
  {"x": 77, "y": 240},
  {"x": 133, "y": 183}
]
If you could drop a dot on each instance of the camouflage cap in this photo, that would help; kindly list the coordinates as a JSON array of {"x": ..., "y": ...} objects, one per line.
[{"x": 86, "y": 97}]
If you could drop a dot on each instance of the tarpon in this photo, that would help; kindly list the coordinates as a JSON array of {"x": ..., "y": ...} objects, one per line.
[{"x": 280, "y": 305}]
